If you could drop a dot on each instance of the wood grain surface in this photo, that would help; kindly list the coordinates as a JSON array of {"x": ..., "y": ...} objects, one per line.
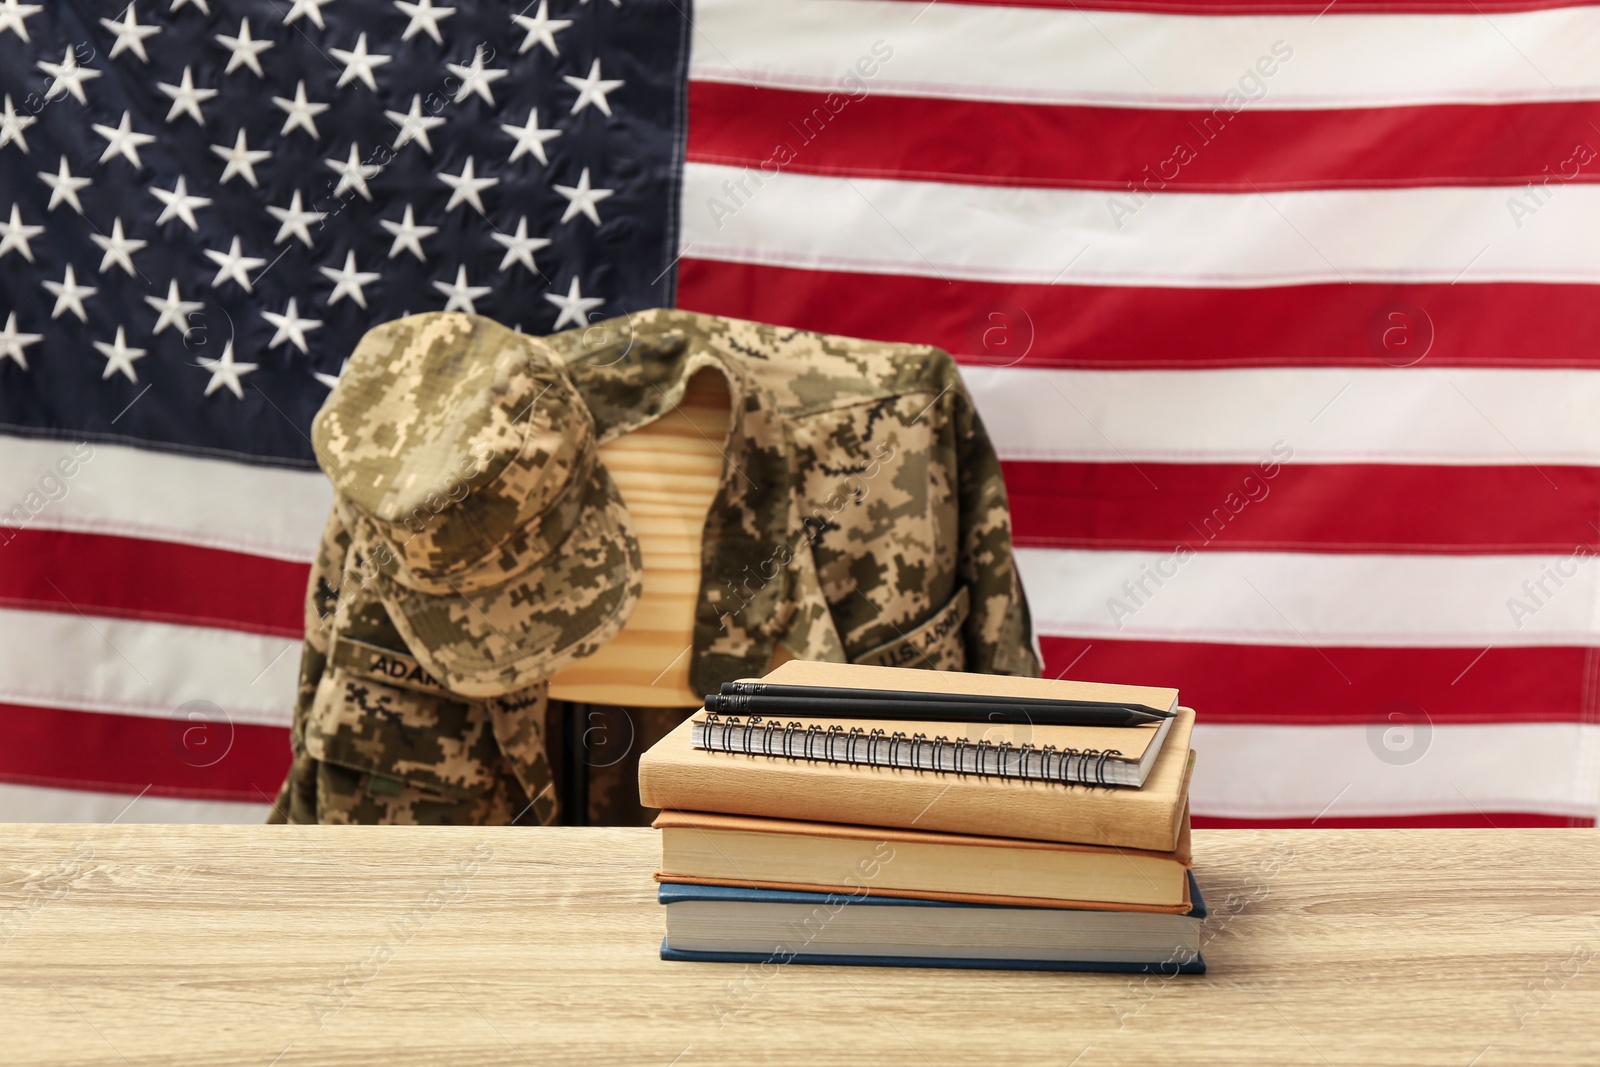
[{"x": 287, "y": 946}]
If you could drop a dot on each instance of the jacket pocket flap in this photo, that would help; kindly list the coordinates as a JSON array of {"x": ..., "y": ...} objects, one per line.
[
  {"x": 364, "y": 722},
  {"x": 938, "y": 644},
  {"x": 375, "y": 661}
]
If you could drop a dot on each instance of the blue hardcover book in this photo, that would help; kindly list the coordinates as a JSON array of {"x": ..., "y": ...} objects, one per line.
[{"x": 728, "y": 924}]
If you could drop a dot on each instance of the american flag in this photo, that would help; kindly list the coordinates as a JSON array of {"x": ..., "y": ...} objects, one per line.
[{"x": 1280, "y": 314}]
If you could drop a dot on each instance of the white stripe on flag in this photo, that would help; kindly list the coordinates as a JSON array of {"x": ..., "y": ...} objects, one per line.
[
  {"x": 1460, "y": 416},
  {"x": 1384, "y": 769},
  {"x": 28, "y": 803},
  {"x": 1134, "y": 59},
  {"x": 130, "y": 492},
  {"x": 1100, "y": 237},
  {"x": 145, "y": 668},
  {"x": 1321, "y": 599}
]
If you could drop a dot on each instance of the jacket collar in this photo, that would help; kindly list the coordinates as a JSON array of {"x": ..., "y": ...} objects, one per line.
[{"x": 633, "y": 370}]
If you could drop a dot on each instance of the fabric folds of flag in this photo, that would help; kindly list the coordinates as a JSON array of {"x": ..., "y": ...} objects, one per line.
[
  {"x": 1279, "y": 312},
  {"x": 203, "y": 205}
]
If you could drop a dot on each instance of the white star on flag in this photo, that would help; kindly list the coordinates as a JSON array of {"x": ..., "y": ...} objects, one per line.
[
  {"x": 407, "y": 235},
  {"x": 466, "y": 186},
  {"x": 582, "y": 198},
  {"x": 331, "y": 380},
  {"x": 475, "y": 79},
  {"x": 186, "y": 99},
  {"x": 12, "y": 343},
  {"x": 542, "y": 29},
  {"x": 241, "y": 160},
  {"x": 12, "y": 125},
  {"x": 574, "y": 306},
  {"x": 13, "y": 16},
  {"x": 414, "y": 125},
  {"x": 117, "y": 248},
  {"x": 173, "y": 311},
  {"x": 70, "y": 295},
  {"x": 121, "y": 140},
  {"x": 119, "y": 357},
  {"x": 424, "y": 17},
  {"x": 520, "y": 247},
  {"x": 353, "y": 173},
  {"x": 245, "y": 50},
  {"x": 179, "y": 204},
  {"x": 291, "y": 327},
  {"x": 17, "y": 235},
  {"x": 64, "y": 187},
  {"x": 348, "y": 281},
  {"x": 302, "y": 113},
  {"x": 530, "y": 138},
  {"x": 460, "y": 293},
  {"x": 67, "y": 77},
  {"x": 310, "y": 9},
  {"x": 131, "y": 35},
  {"x": 232, "y": 266},
  {"x": 293, "y": 221},
  {"x": 592, "y": 90},
  {"x": 359, "y": 63},
  {"x": 225, "y": 372}
]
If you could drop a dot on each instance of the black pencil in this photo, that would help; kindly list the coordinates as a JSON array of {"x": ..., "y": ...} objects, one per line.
[
  {"x": 833, "y": 693},
  {"x": 968, "y": 711}
]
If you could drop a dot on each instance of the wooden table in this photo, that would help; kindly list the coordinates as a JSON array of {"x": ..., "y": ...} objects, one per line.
[{"x": 263, "y": 946}]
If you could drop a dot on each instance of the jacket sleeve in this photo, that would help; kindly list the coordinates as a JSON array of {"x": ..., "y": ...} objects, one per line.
[
  {"x": 297, "y": 796},
  {"x": 999, "y": 630}
]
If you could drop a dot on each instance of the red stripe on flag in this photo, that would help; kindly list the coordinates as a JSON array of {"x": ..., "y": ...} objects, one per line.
[
  {"x": 1274, "y": 507},
  {"x": 1136, "y": 152},
  {"x": 1281, "y": 7},
  {"x": 1227, "y": 507},
  {"x": 1472, "y": 820},
  {"x": 1492, "y": 324},
  {"x": 130, "y": 753},
  {"x": 1304, "y": 686},
  {"x": 155, "y": 581}
]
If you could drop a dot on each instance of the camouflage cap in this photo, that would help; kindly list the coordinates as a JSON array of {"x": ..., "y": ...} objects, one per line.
[{"x": 465, "y": 462}]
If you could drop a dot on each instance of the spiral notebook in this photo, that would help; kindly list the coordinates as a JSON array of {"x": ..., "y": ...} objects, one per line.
[{"x": 1081, "y": 755}]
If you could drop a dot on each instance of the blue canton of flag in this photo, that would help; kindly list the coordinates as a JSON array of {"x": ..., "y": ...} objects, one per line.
[{"x": 205, "y": 203}]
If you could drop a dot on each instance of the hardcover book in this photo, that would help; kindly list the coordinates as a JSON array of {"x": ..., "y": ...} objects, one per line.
[
  {"x": 735, "y": 850},
  {"x": 727, "y": 924}
]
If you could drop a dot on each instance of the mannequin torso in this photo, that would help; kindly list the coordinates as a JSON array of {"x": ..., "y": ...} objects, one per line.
[{"x": 668, "y": 473}]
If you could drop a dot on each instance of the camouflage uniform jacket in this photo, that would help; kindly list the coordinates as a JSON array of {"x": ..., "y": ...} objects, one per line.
[{"x": 861, "y": 516}]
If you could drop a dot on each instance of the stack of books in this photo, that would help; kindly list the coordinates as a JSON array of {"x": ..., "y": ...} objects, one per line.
[{"x": 920, "y": 818}]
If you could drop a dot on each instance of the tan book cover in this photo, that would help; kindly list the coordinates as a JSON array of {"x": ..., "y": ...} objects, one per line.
[
  {"x": 708, "y": 849},
  {"x": 860, "y": 676},
  {"x": 674, "y": 775}
]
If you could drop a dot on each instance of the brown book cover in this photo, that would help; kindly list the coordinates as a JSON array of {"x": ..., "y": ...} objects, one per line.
[
  {"x": 674, "y": 775},
  {"x": 701, "y": 848}
]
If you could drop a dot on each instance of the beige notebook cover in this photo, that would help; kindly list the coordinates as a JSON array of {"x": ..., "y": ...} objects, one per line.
[
  {"x": 952, "y": 746},
  {"x": 858, "y": 676},
  {"x": 674, "y": 775}
]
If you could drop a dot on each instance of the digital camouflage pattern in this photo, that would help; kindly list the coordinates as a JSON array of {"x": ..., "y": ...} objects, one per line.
[
  {"x": 297, "y": 799},
  {"x": 377, "y": 738},
  {"x": 861, "y": 516},
  {"x": 467, "y": 466}
]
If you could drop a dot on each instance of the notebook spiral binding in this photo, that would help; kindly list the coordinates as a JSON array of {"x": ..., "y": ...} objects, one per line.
[{"x": 758, "y": 736}]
